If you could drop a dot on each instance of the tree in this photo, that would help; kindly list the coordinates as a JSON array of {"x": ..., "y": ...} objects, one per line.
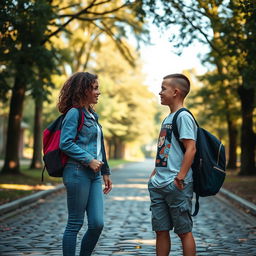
[
  {"x": 22, "y": 54},
  {"x": 219, "y": 108},
  {"x": 127, "y": 107},
  {"x": 228, "y": 28},
  {"x": 241, "y": 44}
]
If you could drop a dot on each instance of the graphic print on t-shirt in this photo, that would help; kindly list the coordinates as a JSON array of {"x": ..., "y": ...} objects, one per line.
[{"x": 163, "y": 145}]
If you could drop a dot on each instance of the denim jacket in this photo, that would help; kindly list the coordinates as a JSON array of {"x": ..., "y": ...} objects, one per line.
[{"x": 82, "y": 146}]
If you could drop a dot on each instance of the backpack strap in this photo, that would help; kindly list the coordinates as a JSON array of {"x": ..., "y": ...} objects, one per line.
[
  {"x": 196, "y": 206},
  {"x": 42, "y": 177},
  {"x": 80, "y": 119},
  {"x": 177, "y": 136},
  {"x": 175, "y": 128}
]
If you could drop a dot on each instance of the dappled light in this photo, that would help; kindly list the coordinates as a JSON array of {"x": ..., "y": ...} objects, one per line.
[
  {"x": 142, "y": 186},
  {"x": 25, "y": 187},
  {"x": 141, "y": 180},
  {"x": 141, "y": 241},
  {"x": 130, "y": 198},
  {"x": 12, "y": 164}
]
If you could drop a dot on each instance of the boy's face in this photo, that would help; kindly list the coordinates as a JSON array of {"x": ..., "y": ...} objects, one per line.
[{"x": 167, "y": 92}]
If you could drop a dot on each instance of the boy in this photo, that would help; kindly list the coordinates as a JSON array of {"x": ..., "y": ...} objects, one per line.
[{"x": 171, "y": 183}]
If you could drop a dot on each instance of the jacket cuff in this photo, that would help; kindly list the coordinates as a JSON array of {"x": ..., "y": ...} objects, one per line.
[
  {"x": 87, "y": 160},
  {"x": 106, "y": 172}
]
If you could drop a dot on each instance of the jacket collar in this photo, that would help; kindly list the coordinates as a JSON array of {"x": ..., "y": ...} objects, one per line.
[{"x": 87, "y": 115}]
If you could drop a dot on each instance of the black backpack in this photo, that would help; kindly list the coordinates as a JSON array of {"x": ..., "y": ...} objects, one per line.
[
  {"x": 54, "y": 158},
  {"x": 209, "y": 163}
]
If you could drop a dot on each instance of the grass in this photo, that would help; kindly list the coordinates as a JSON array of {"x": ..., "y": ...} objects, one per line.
[
  {"x": 14, "y": 187},
  {"x": 243, "y": 186}
]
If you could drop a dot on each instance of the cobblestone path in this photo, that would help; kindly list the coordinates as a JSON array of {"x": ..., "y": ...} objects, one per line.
[{"x": 219, "y": 229}]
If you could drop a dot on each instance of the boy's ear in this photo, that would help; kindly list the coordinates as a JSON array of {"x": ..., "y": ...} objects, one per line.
[{"x": 176, "y": 92}]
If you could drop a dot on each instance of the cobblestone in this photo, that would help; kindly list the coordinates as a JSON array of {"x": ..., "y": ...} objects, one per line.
[{"x": 219, "y": 229}]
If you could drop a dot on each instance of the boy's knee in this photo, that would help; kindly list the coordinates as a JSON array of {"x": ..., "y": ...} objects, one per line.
[
  {"x": 184, "y": 235},
  {"x": 162, "y": 233}
]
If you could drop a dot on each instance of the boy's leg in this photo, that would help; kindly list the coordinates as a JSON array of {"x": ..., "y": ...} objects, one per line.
[
  {"x": 161, "y": 220},
  {"x": 180, "y": 204},
  {"x": 188, "y": 244},
  {"x": 163, "y": 243}
]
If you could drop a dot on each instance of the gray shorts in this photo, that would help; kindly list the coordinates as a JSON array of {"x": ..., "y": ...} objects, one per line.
[{"x": 171, "y": 208}]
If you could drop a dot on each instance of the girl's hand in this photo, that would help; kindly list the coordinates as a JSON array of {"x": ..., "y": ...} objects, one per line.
[
  {"x": 108, "y": 184},
  {"x": 95, "y": 165}
]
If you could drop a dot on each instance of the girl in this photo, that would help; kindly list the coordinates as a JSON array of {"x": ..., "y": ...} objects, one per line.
[{"x": 87, "y": 159}]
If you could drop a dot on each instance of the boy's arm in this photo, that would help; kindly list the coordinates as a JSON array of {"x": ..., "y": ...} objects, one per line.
[
  {"x": 152, "y": 174},
  {"x": 190, "y": 147}
]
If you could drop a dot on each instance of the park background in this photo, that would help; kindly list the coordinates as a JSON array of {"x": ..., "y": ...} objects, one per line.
[{"x": 43, "y": 42}]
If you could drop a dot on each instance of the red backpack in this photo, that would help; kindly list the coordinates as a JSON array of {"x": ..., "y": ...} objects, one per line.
[{"x": 54, "y": 158}]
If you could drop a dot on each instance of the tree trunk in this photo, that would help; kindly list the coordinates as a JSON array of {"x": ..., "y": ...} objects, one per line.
[
  {"x": 119, "y": 149},
  {"x": 247, "y": 135},
  {"x": 232, "y": 134},
  {"x": 110, "y": 149},
  {"x": 11, "y": 163},
  {"x": 116, "y": 147},
  {"x": 37, "y": 147},
  {"x": 232, "y": 128}
]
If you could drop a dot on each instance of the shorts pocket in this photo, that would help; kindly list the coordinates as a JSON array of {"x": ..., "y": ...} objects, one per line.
[
  {"x": 184, "y": 207},
  {"x": 182, "y": 218}
]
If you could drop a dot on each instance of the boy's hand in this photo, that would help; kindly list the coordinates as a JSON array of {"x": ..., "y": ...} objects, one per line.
[{"x": 179, "y": 183}]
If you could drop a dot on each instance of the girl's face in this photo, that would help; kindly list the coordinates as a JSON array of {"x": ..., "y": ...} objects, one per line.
[{"x": 93, "y": 95}]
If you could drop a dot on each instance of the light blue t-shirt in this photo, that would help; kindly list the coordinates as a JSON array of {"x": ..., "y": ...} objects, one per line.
[{"x": 169, "y": 154}]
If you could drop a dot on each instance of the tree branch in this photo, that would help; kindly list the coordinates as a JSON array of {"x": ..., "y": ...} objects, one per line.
[
  {"x": 120, "y": 45},
  {"x": 67, "y": 22},
  {"x": 95, "y": 13},
  {"x": 67, "y": 7},
  {"x": 197, "y": 28},
  {"x": 77, "y": 16},
  {"x": 193, "y": 9}
]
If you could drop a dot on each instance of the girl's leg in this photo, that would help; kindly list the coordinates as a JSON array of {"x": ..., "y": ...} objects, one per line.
[
  {"x": 95, "y": 217},
  {"x": 78, "y": 187}
]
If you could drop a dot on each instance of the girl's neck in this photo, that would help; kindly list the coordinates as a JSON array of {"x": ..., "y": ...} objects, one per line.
[{"x": 87, "y": 107}]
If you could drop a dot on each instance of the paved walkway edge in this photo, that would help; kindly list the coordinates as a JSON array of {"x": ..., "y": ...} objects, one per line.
[
  {"x": 8, "y": 207},
  {"x": 19, "y": 203},
  {"x": 242, "y": 202}
]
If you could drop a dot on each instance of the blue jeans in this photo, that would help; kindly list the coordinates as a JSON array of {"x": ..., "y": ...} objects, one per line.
[{"x": 84, "y": 193}]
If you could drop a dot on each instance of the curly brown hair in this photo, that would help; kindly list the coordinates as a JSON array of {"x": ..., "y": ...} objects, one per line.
[{"x": 74, "y": 91}]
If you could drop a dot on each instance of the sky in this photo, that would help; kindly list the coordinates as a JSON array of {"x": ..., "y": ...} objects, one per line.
[{"x": 160, "y": 60}]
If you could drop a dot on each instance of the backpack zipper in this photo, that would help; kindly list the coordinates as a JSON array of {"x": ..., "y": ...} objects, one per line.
[
  {"x": 215, "y": 167},
  {"x": 200, "y": 163}
]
